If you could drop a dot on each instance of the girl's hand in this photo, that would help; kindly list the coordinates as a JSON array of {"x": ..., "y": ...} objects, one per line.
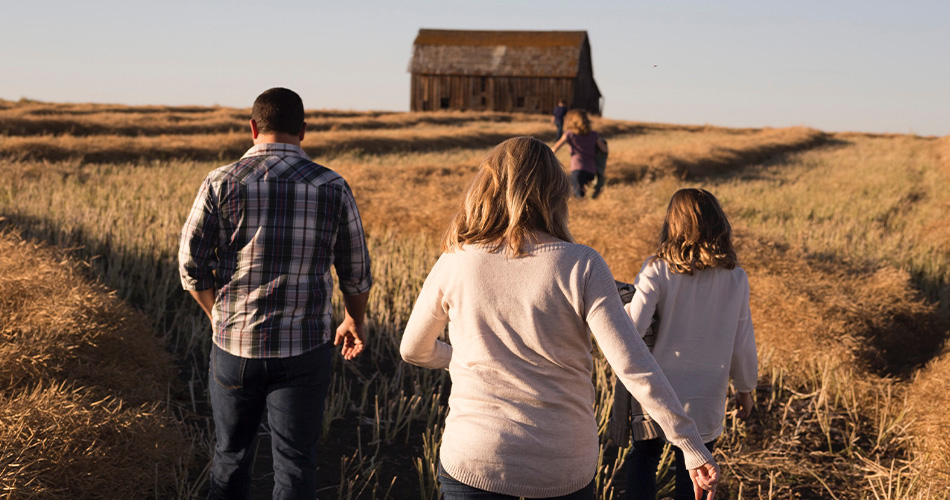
[{"x": 745, "y": 404}]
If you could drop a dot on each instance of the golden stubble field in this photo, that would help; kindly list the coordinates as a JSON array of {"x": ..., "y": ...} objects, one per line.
[{"x": 844, "y": 236}]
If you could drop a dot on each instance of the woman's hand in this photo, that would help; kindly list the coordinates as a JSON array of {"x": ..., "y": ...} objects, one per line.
[{"x": 705, "y": 478}]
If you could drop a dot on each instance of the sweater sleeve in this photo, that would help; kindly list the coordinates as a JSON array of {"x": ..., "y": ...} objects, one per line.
[
  {"x": 420, "y": 342},
  {"x": 634, "y": 365},
  {"x": 744, "y": 368},
  {"x": 644, "y": 302}
]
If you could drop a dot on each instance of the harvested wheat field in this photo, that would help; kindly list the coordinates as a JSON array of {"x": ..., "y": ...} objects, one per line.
[
  {"x": 85, "y": 386},
  {"x": 844, "y": 237}
]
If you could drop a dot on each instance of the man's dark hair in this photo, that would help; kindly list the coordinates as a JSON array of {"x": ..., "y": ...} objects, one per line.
[{"x": 278, "y": 110}]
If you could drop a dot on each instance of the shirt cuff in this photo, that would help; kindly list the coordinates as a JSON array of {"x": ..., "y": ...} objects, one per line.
[
  {"x": 197, "y": 284},
  {"x": 349, "y": 287}
]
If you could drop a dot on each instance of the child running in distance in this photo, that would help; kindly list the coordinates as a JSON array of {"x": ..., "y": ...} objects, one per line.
[{"x": 700, "y": 298}]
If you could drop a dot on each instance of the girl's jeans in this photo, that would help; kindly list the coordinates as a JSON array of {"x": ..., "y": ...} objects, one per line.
[{"x": 643, "y": 459}]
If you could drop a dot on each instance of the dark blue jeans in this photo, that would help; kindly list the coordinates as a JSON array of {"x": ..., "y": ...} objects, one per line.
[
  {"x": 560, "y": 130},
  {"x": 294, "y": 391},
  {"x": 643, "y": 459},
  {"x": 579, "y": 179},
  {"x": 454, "y": 490}
]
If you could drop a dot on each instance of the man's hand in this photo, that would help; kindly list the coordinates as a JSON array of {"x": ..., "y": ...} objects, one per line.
[
  {"x": 705, "y": 478},
  {"x": 744, "y": 404},
  {"x": 351, "y": 336},
  {"x": 352, "y": 331}
]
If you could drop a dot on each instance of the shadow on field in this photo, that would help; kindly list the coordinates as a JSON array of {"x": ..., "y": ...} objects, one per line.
[
  {"x": 716, "y": 161},
  {"x": 811, "y": 303},
  {"x": 899, "y": 329}
]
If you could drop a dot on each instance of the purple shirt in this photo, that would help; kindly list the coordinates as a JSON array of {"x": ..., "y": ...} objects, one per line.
[{"x": 583, "y": 150}]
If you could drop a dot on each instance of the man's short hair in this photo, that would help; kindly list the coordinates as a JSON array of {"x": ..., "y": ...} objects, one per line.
[{"x": 278, "y": 110}]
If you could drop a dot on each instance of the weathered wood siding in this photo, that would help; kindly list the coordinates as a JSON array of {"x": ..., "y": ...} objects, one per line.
[{"x": 484, "y": 93}]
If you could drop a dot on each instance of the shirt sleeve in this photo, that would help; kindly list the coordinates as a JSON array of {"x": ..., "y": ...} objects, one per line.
[
  {"x": 196, "y": 252},
  {"x": 420, "y": 342},
  {"x": 634, "y": 365},
  {"x": 351, "y": 254},
  {"x": 643, "y": 305},
  {"x": 744, "y": 368}
]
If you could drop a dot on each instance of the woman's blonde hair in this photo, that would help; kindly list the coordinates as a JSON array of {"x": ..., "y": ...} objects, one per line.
[
  {"x": 696, "y": 233},
  {"x": 577, "y": 121},
  {"x": 520, "y": 187}
]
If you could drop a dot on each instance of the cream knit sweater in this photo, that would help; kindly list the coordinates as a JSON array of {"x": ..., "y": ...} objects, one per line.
[
  {"x": 521, "y": 418},
  {"x": 704, "y": 336}
]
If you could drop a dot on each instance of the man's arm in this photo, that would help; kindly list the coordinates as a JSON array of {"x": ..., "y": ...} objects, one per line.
[
  {"x": 353, "y": 270},
  {"x": 196, "y": 251},
  {"x": 205, "y": 299},
  {"x": 352, "y": 330}
]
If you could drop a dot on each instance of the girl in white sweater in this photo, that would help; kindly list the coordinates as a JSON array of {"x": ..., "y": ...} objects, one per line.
[
  {"x": 700, "y": 299},
  {"x": 520, "y": 300}
]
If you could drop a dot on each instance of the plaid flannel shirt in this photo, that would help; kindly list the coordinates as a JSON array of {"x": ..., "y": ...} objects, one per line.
[{"x": 264, "y": 232}]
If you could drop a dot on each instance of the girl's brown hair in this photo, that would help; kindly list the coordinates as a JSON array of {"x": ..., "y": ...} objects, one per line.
[
  {"x": 696, "y": 234},
  {"x": 577, "y": 121},
  {"x": 520, "y": 187}
]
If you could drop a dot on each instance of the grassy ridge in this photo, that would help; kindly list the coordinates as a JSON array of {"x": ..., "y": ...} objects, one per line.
[
  {"x": 83, "y": 379},
  {"x": 830, "y": 313}
]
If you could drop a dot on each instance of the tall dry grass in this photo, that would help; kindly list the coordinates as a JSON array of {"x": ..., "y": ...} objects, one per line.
[
  {"x": 84, "y": 386},
  {"x": 831, "y": 318}
]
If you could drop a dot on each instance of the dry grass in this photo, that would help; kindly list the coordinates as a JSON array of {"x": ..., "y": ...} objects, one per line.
[
  {"x": 84, "y": 383},
  {"x": 839, "y": 234}
]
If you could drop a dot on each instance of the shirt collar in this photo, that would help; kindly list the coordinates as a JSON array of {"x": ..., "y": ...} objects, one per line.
[{"x": 276, "y": 148}]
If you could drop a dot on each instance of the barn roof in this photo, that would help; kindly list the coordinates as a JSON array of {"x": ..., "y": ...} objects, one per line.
[{"x": 498, "y": 53}]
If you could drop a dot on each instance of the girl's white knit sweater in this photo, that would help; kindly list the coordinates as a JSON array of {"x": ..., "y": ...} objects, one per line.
[{"x": 704, "y": 335}]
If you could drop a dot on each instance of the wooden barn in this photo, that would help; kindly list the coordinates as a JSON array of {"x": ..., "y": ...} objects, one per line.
[{"x": 525, "y": 71}]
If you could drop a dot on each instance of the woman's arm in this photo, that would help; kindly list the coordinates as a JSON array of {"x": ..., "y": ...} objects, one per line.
[
  {"x": 634, "y": 365},
  {"x": 559, "y": 143},
  {"x": 420, "y": 342}
]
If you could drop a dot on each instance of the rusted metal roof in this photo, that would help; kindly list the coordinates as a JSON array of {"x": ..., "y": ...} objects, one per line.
[{"x": 498, "y": 53}]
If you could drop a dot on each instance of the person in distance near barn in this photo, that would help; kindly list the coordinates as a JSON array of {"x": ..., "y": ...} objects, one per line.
[
  {"x": 557, "y": 117},
  {"x": 256, "y": 252}
]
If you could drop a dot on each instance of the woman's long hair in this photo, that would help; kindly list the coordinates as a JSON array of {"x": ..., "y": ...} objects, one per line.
[
  {"x": 520, "y": 187},
  {"x": 577, "y": 121},
  {"x": 696, "y": 234}
]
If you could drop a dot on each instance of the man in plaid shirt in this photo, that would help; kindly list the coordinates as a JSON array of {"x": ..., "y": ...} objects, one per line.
[{"x": 256, "y": 253}]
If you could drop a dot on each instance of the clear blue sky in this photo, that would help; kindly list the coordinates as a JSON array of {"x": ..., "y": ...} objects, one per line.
[{"x": 878, "y": 66}]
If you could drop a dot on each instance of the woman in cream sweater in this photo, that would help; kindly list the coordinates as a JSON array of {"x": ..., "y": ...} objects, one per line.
[{"x": 520, "y": 300}]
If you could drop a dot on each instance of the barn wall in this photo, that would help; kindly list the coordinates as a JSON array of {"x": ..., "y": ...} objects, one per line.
[
  {"x": 489, "y": 93},
  {"x": 586, "y": 93}
]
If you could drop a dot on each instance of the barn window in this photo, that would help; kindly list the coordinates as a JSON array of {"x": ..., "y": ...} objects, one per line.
[
  {"x": 519, "y": 102},
  {"x": 444, "y": 103}
]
